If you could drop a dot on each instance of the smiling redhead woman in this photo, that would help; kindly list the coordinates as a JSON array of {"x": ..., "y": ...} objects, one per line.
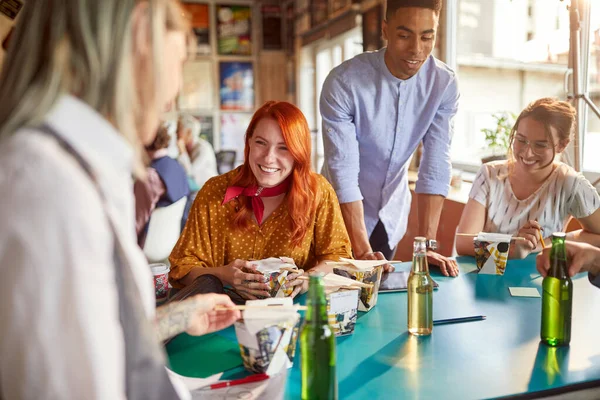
[
  {"x": 273, "y": 205},
  {"x": 533, "y": 193}
]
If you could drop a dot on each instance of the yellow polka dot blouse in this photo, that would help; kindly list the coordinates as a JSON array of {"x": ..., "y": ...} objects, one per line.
[{"x": 208, "y": 239}]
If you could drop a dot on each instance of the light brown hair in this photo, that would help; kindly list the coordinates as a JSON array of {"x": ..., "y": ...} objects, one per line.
[{"x": 552, "y": 113}]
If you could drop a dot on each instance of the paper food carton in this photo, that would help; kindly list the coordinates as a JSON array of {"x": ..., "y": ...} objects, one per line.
[
  {"x": 364, "y": 271},
  {"x": 267, "y": 335},
  {"x": 276, "y": 269},
  {"x": 342, "y": 303},
  {"x": 491, "y": 252}
]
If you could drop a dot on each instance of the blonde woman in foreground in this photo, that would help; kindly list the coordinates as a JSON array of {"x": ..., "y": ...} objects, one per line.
[{"x": 83, "y": 85}]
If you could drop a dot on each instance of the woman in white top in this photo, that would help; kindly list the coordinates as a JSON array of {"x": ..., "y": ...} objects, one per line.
[
  {"x": 83, "y": 85},
  {"x": 533, "y": 191}
]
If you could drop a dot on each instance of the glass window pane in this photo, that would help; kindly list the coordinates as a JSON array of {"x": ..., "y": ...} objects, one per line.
[
  {"x": 538, "y": 30},
  {"x": 504, "y": 66},
  {"x": 591, "y": 161}
]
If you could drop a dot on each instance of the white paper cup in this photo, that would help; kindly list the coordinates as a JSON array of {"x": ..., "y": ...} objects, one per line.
[{"x": 161, "y": 279}]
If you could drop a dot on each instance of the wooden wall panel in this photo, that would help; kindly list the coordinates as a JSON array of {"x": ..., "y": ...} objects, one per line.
[{"x": 272, "y": 75}]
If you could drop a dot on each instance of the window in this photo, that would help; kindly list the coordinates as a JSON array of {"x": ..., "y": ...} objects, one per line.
[
  {"x": 591, "y": 161},
  {"x": 502, "y": 67}
]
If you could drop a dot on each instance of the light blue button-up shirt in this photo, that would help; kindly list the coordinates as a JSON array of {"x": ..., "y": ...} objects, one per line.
[{"x": 372, "y": 124}]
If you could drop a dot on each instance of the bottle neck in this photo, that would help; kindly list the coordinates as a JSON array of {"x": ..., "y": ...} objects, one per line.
[
  {"x": 316, "y": 311},
  {"x": 558, "y": 259},
  {"x": 419, "y": 264}
]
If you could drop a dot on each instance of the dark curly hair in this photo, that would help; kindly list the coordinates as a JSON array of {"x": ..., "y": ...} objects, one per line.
[{"x": 395, "y": 5}]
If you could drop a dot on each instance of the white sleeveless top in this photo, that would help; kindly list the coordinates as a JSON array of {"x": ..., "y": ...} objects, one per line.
[{"x": 565, "y": 193}]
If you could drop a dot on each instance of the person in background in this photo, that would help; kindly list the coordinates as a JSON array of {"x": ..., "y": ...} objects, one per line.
[
  {"x": 533, "y": 193},
  {"x": 166, "y": 182},
  {"x": 583, "y": 257},
  {"x": 83, "y": 85},
  {"x": 273, "y": 205},
  {"x": 376, "y": 109},
  {"x": 195, "y": 154}
]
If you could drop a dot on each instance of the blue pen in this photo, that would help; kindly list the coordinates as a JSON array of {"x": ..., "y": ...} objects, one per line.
[{"x": 458, "y": 320}]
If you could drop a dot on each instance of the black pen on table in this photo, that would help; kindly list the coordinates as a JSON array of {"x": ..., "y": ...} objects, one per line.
[{"x": 459, "y": 320}]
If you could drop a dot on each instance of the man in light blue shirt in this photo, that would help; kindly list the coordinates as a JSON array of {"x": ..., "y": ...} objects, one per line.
[{"x": 376, "y": 109}]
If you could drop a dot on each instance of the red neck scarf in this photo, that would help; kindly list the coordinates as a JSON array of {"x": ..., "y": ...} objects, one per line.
[{"x": 255, "y": 193}]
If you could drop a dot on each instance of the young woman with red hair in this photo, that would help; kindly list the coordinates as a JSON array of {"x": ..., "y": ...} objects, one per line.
[{"x": 273, "y": 205}]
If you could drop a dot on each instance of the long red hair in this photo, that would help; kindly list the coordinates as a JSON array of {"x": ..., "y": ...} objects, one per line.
[{"x": 302, "y": 197}]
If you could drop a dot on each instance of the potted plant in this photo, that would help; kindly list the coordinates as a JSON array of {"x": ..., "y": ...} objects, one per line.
[{"x": 498, "y": 137}]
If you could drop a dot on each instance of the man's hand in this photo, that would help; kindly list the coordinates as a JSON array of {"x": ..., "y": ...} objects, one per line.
[
  {"x": 582, "y": 257},
  {"x": 446, "y": 265},
  {"x": 377, "y": 255}
]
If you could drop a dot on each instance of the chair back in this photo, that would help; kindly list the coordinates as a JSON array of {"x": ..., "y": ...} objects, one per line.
[{"x": 164, "y": 229}]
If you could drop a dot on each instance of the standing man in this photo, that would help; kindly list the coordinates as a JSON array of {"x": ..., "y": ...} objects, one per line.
[{"x": 376, "y": 109}]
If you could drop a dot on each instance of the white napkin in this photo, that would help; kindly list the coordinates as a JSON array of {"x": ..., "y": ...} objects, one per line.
[
  {"x": 494, "y": 237},
  {"x": 274, "y": 264}
]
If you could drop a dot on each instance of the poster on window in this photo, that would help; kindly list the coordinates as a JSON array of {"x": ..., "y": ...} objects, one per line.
[
  {"x": 198, "y": 15},
  {"x": 233, "y": 132},
  {"x": 236, "y": 86},
  {"x": 234, "y": 30},
  {"x": 196, "y": 90}
]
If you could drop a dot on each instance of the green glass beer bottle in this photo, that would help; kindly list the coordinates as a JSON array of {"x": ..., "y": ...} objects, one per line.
[
  {"x": 420, "y": 292},
  {"x": 317, "y": 346},
  {"x": 557, "y": 296}
]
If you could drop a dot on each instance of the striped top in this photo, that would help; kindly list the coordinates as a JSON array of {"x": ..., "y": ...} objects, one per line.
[{"x": 565, "y": 193}]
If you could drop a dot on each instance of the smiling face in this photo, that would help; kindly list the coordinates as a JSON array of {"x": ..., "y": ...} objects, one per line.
[
  {"x": 410, "y": 33},
  {"x": 269, "y": 158},
  {"x": 538, "y": 154}
]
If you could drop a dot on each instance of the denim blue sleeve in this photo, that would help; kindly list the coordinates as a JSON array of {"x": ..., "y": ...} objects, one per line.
[
  {"x": 595, "y": 280},
  {"x": 436, "y": 167},
  {"x": 341, "y": 166}
]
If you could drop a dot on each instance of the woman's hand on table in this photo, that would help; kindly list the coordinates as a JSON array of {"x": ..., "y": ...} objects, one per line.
[
  {"x": 244, "y": 278},
  {"x": 530, "y": 232}
]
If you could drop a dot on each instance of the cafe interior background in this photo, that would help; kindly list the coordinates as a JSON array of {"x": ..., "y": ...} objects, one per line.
[{"x": 506, "y": 53}]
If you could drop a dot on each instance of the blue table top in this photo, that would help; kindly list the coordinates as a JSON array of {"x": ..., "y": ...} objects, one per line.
[{"x": 497, "y": 357}]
